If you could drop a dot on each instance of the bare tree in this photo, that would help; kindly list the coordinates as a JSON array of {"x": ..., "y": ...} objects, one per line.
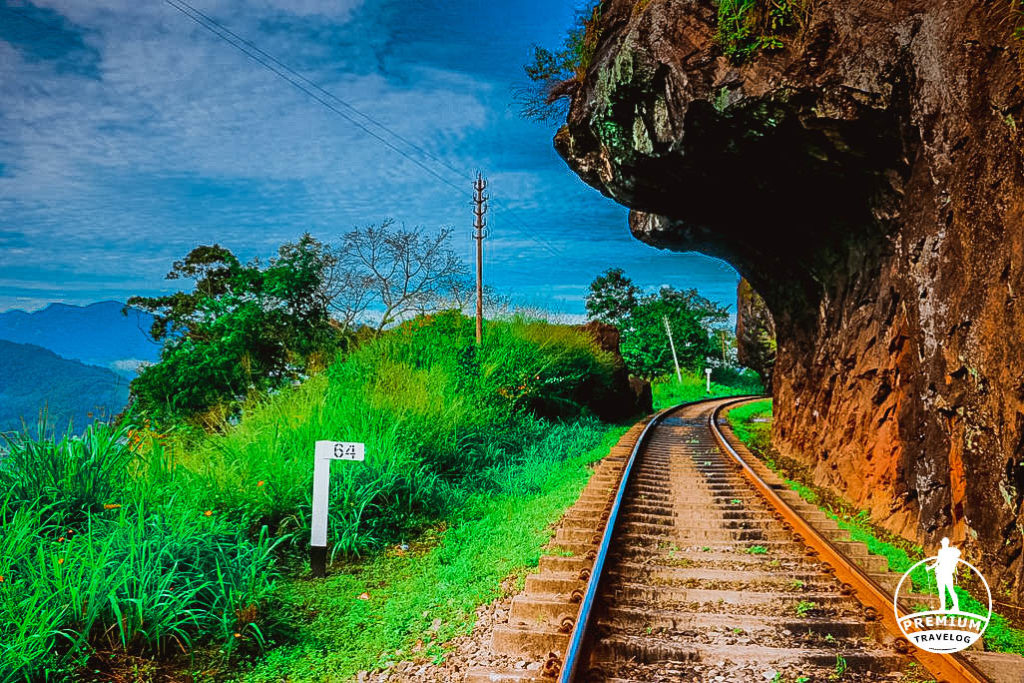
[
  {"x": 460, "y": 295},
  {"x": 400, "y": 270},
  {"x": 349, "y": 293}
]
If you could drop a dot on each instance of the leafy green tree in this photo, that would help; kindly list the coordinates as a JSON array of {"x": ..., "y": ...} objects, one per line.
[
  {"x": 616, "y": 300},
  {"x": 243, "y": 328},
  {"x": 613, "y": 297}
]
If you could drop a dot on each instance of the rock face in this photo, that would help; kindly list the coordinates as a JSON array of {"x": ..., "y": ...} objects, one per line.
[
  {"x": 755, "y": 333},
  {"x": 625, "y": 397},
  {"x": 867, "y": 180}
]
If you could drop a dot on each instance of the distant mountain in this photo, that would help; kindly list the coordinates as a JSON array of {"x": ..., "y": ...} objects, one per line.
[
  {"x": 97, "y": 334},
  {"x": 32, "y": 378}
]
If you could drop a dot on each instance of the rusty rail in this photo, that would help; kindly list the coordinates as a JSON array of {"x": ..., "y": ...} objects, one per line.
[{"x": 877, "y": 601}]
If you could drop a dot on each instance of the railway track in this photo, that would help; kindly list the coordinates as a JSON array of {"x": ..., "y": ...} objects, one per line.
[{"x": 683, "y": 560}]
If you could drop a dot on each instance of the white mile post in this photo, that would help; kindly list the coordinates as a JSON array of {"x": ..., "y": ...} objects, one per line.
[
  {"x": 324, "y": 453},
  {"x": 707, "y": 373}
]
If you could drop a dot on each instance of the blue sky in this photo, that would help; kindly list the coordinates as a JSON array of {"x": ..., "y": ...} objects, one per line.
[{"x": 129, "y": 134}]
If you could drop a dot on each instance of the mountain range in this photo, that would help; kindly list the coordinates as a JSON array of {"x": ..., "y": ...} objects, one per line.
[
  {"x": 34, "y": 380},
  {"x": 97, "y": 334},
  {"x": 74, "y": 362}
]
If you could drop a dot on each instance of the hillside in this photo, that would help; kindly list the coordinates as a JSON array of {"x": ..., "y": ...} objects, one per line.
[
  {"x": 34, "y": 377},
  {"x": 97, "y": 334}
]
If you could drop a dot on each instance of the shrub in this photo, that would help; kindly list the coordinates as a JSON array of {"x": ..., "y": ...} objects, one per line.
[{"x": 748, "y": 26}]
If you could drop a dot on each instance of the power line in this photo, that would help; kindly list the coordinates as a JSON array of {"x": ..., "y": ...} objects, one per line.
[
  {"x": 297, "y": 84},
  {"x": 326, "y": 92},
  {"x": 297, "y": 80},
  {"x": 262, "y": 57}
]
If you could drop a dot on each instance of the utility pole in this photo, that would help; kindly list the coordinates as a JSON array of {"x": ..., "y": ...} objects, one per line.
[
  {"x": 479, "y": 223},
  {"x": 675, "y": 358}
]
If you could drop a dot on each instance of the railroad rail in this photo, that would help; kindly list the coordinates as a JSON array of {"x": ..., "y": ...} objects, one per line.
[{"x": 687, "y": 559}]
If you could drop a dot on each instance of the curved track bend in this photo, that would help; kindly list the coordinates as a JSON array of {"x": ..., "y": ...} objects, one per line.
[{"x": 686, "y": 559}]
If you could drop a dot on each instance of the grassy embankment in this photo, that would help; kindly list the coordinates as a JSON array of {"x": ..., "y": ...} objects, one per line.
[
  {"x": 669, "y": 391},
  {"x": 752, "y": 425},
  {"x": 127, "y": 552}
]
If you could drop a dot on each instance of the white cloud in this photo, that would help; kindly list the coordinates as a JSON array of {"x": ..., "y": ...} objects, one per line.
[{"x": 90, "y": 161}]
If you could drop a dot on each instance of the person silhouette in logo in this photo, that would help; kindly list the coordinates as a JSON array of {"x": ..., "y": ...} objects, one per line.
[{"x": 945, "y": 573}]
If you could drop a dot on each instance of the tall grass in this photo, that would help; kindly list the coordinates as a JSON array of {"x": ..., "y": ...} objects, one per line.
[
  {"x": 105, "y": 568},
  {"x": 435, "y": 411},
  {"x": 124, "y": 542}
]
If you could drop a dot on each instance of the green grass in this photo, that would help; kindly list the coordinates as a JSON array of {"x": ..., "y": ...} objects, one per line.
[
  {"x": 420, "y": 599},
  {"x": 1000, "y": 636},
  {"x": 90, "y": 562},
  {"x": 127, "y": 548},
  {"x": 751, "y": 422},
  {"x": 669, "y": 391}
]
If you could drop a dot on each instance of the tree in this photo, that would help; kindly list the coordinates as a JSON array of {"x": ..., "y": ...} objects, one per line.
[
  {"x": 644, "y": 344},
  {"x": 554, "y": 75},
  {"x": 401, "y": 271},
  {"x": 615, "y": 299},
  {"x": 243, "y": 327},
  {"x": 612, "y": 298}
]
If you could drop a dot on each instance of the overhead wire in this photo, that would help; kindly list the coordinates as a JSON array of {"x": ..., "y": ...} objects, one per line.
[
  {"x": 324, "y": 91},
  {"x": 300, "y": 82},
  {"x": 262, "y": 57},
  {"x": 298, "y": 85}
]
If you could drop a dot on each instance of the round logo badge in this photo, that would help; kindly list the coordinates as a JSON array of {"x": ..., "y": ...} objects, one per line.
[{"x": 939, "y": 623}]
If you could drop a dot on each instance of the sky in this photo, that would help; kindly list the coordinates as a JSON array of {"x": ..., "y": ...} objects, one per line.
[{"x": 129, "y": 135}]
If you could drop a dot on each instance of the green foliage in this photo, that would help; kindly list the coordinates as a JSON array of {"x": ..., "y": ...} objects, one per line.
[
  {"x": 243, "y": 328},
  {"x": 551, "y": 71},
  {"x": 437, "y": 414},
  {"x": 140, "y": 544},
  {"x": 613, "y": 297},
  {"x": 751, "y": 423},
  {"x": 644, "y": 342},
  {"x": 669, "y": 391},
  {"x": 746, "y": 27},
  {"x": 839, "y": 669},
  {"x": 422, "y": 597},
  {"x": 576, "y": 53},
  {"x": 93, "y": 558},
  {"x": 804, "y": 607},
  {"x": 78, "y": 474}
]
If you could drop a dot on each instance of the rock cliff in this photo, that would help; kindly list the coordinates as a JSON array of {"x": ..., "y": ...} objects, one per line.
[
  {"x": 866, "y": 179},
  {"x": 755, "y": 333}
]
